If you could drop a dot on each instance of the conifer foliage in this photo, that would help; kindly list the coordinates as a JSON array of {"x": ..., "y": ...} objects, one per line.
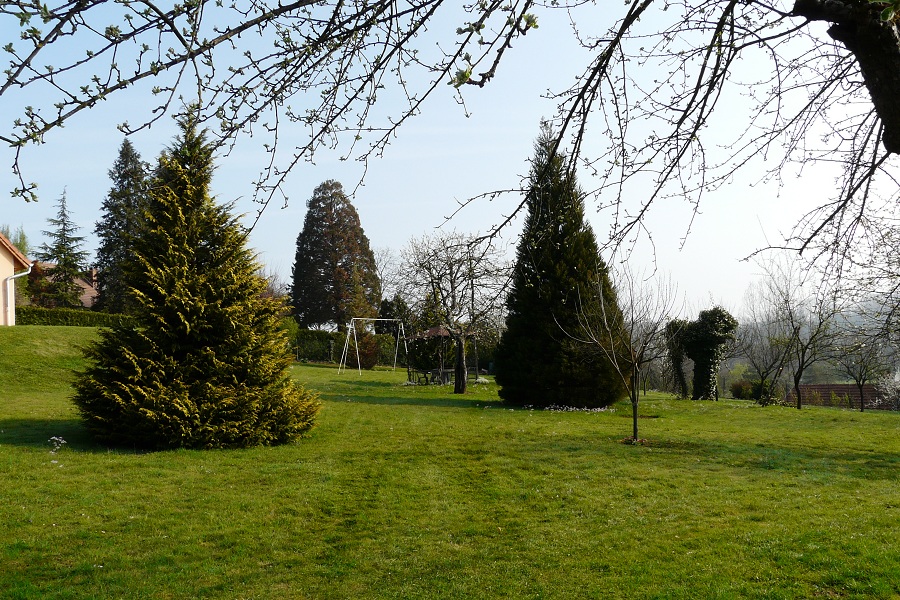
[
  {"x": 558, "y": 269},
  {"x": 335, "y": 277},
  {"x": 64, "y": 253},
  {"x": 205, "y": 366},
  {"x": 122, "y": 214}
]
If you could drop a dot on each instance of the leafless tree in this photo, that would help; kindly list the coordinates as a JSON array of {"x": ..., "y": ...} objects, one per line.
[
  {"x": 875, "y": 283},
  {"x": 276, "y": 286},
  {"x": 632, "y": 335},
  {"x": 809, "y": 307},
  {"x": 765, "y": 339},
  {"x": 861, "y": 353},
  {"x": 467, "y": 278},
  {"x": 387, "y": 262}
]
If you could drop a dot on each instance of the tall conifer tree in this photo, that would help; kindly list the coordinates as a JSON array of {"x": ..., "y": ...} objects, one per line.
[
  {"x": 68, "y": 259},
  {"x": 558, "y": 267},
  {"x": 334, "y": 277},
  {"x": 205, "y": 366},
  {"x": 122, "y": 214}
]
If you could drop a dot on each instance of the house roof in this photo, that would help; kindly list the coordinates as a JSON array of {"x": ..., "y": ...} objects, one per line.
[
  {"x": 86, "y": 283},
  {"x": 19, "y": 259}
]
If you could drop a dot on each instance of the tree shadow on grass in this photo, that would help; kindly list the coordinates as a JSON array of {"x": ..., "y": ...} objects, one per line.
[
  {"x": 439, "y": 402},
  {"x": 36, "y": 433},
  {"x": 370, "y": 384},
  {"x": 787, "y": 460}
]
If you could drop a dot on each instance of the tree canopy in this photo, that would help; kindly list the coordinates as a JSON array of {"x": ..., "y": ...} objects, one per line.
[
  {"x": 122, "y": 214},
  {"x": 334, "y": 276},
  {"x": 643, "y": 112},
  {"x": 67, "y": 262},
  {"x": 204, "y": 365},
  {"x": 558, "y": 276}
]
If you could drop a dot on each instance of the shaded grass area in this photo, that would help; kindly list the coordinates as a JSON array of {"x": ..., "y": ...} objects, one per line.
[{"x": 412, "y": 492}]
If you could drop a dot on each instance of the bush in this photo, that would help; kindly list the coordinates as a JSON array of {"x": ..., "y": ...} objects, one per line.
[
  {"x": 765, "y": 393},
  {"x": 327, "y": 346},
  {"x": 387, "y": 344},
  {"x": 843, "y": 400},
  {"x": 206, "y": 364},
  {"x": 741, "y": 389},
  {"x": 69, "y": 317},
  {"x": 319, "y": 346},
  {"x": 367, "y": 350}
]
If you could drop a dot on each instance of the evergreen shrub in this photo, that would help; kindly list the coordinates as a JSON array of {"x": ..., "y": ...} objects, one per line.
[
  {"x": 206, "y": 364},
  {"x": 318, "y": 346},
  {"x": 367, "y": 350},
  {"x": 742, "y": 390},
  {"x": 387, "y": 345},
  {"x": 559, "y": 277}
]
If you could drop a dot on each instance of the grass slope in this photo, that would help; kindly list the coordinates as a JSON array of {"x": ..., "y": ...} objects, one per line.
[{"x": 412, "y": 492}]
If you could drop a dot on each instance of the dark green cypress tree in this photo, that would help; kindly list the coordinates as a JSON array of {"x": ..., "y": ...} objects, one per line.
[
  {"x": 334, "y": 274},
  {"x": 68, "y": 259},
  {"x": 205, "y": 365},
  {"x": 558, "y": 268},
  {"x": 122, "y": 216}
]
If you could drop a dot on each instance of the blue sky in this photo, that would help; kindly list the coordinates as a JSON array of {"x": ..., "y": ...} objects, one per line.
[{"x": 439, "y": 158}]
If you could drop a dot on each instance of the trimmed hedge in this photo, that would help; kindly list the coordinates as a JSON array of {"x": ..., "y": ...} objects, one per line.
[
  {"x": 69, "y": 317},
  {"x": 318, "y": 346}
]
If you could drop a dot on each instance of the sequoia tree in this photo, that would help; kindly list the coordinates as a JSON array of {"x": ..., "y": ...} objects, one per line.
[
  {"x": 334, "y": 275},
  {"x": 557, "y": 275},
  {"x": 205, "y": 364},
  {"x": 122, "y": 214},
  {"x": 812, "y": 93}
]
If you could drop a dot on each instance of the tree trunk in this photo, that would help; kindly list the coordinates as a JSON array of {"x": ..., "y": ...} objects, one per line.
[
  {"x": 876, "y": 46},
  {"x": 680, "y": 378},
  {"x": 797, "y": 392},
  {"x": 635, "y": 374},
  {"x": 459, "y": 372},
  {"x": 862, "y": 399},
  {"x": 704, "y": 378}
]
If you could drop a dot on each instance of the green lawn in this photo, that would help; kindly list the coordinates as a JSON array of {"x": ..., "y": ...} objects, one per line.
[{"x": 412, "y": 492}]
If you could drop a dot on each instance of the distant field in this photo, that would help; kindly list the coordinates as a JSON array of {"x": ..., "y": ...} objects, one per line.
[{"x": 412, "y": 492}]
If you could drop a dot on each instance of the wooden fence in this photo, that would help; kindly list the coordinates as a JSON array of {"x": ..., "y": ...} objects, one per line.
[{"x": 843, "y": 395}]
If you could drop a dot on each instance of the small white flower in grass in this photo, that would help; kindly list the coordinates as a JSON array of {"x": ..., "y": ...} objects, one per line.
[{"x": 57, "y": 443}]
